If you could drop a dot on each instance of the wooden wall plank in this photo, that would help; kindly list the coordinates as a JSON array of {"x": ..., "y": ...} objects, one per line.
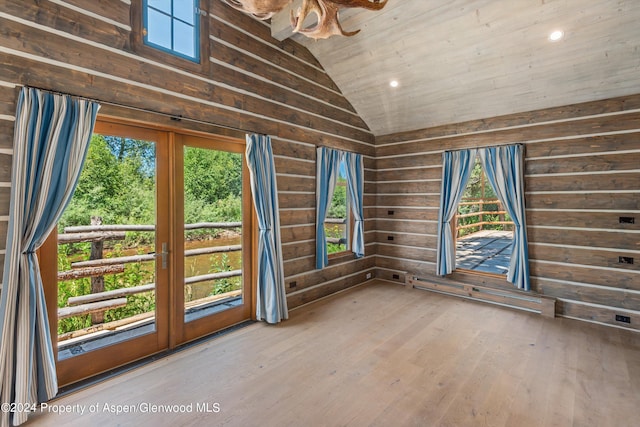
[
  {"x": 404, "y": 213},
  {"x": 591, "y": 256},
  {"x": 289, "y": 217},
  {"x": 296, "y": 183},
  {"x": 599, "y": 182},
  {"x": 597, "y": 239},
  {"x": 8, "y": 100},
  {"x": 407, "y": 252},
  {"x": 290, "y": 201},
  {"x": 298, "y": 249},
  {"x": 6, "y": 134},
  {"x": 69, "y": 21},
  {"x": 410, "y": 161},
  {"x": 409, "y": 187},
  {"x": 406, "y": 227},
  {"x": 5, "y": 167},
  {"x": 114, "y": 10},
  {"x": 406, "y": 239},
  {"x": 611, "y": 201},
  {"x": 618, "y": 298},
  {"x": 294, "y": 234},
  {"x": 610, "y": 162},
  {"x": 594, "y": 144},
  {"x": 294, "y": 167},
  {"x": 581, "y": 274},
  {"x": 404, "y": 200},
  {"x": 3, "y": 235},
  {"x": 299, "y": 265},
  {"x": 604, "y": 220},
  {"x": 416, "y": 172},
  {"x": 5, "y": 197},
  {"x": 293, "y": 150}
]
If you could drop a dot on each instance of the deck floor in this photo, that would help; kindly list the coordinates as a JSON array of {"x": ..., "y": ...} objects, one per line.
[{"x": 488, "y": 251}]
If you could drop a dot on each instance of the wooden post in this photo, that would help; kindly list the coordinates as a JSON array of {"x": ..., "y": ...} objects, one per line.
[{"x": 97, "y": 282}]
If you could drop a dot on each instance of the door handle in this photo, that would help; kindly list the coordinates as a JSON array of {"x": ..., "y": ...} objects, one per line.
[{"x": 164, "y": 254}]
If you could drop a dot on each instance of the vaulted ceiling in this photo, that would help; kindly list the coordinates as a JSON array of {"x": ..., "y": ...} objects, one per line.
[{"x": 458, "y": 60}]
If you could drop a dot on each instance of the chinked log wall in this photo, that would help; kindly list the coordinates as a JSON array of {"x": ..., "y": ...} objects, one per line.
[
  {"x": 249, "y": 81},
  {"x": 582, "y": 174}
]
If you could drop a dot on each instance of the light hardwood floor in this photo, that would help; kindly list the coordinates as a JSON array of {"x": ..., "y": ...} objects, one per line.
[{"x": 385, "y": 355}]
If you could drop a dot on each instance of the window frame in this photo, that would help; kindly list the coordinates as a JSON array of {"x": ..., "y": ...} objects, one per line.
[{"x": 169, "y": 57}]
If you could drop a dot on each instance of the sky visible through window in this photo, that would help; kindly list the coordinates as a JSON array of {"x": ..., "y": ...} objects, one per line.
[{"x": 171, "y": 25}]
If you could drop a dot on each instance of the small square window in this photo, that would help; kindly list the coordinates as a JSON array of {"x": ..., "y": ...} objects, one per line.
[{"x": 172, "y": 26}]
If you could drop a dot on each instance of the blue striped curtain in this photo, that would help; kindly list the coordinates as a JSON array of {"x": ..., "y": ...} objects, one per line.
[
  {"x": 503, "y": 167},
  {"x": 51, "y": 137},
  {"x": 327, "y": 163},
  {"x": 271, "y": 296},
  {"x": 456, "y": 169},
  {"x": 355, "y": 184}
]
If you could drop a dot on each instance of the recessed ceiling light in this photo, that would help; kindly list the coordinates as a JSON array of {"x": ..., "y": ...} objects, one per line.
[
  {"x": 556, "y": 35},
  {"x": 394, "y": 83}
]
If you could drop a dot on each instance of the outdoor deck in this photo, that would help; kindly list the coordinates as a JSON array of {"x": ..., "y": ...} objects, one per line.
[{"x": 488, "y": 251}]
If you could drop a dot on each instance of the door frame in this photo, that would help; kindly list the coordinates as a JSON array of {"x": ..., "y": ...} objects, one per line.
[{"x": 166, "y": 337}]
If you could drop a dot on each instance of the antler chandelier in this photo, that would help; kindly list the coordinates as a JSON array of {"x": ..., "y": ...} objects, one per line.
[{"x": 326, "y": 10}]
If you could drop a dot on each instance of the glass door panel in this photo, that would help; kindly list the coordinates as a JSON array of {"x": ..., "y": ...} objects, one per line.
[
  {"x": 112, "y": 275},
  {"x": 211, "y": 177}
]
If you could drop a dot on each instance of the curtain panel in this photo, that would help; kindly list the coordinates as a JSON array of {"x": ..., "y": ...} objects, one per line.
[
  {"x": 456, "y": 169},
  {"x": 271, "y": 296},
  {"x": 327, "y": 163},
  {"x": 51, "y": 137},
  {"x": 355, "y": 185},
  {"x": 504, "y": 169}
]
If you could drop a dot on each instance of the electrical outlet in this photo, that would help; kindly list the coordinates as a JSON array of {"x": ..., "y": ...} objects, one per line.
[
  {"x": 623, "y": 319},
  {"x": 368, "y": 276}
]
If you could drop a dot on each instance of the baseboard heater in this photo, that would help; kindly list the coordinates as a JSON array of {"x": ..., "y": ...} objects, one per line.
[{"x": 520, "y": 300}]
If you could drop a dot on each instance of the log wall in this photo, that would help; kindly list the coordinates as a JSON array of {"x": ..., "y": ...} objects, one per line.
[
  {"x": 246, "y": 80},
  {"x": 582, "y": 174}
]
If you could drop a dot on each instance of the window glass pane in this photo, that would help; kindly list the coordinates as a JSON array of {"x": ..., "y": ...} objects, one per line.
[
  {"x": 184, "y": 10},
  {"x": 183, "y": 38},
  {"x": 337, "y": 222},
  {"x": 159, "y": 29},
  {"x": 163, "y": 5}
]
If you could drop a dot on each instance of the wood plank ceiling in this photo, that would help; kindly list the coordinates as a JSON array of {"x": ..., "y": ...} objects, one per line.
[{"x": 458, "y": 60}]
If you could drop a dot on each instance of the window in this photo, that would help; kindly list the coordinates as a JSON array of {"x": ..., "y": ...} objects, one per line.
[
  {"x": 483, "y": 229},
  {"x": 172, "y": 26},
  {"x": 337, "y": 225}
]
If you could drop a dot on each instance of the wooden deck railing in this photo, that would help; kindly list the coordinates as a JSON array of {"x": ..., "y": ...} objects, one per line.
[
  {"x": 99, "y": 300},
  {"x": 480, "y": 214}
]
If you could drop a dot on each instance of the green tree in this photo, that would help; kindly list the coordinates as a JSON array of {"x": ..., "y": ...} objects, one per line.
[{"x": 211, "y": 175}]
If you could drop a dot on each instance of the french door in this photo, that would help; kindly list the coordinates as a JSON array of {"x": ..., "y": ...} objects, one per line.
[{"x": 153, "y": 251}]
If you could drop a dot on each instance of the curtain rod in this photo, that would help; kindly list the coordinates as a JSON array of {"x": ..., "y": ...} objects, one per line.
[
  {"x": 144, "y": 110},
  {"x": 486, "y": 146}
]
